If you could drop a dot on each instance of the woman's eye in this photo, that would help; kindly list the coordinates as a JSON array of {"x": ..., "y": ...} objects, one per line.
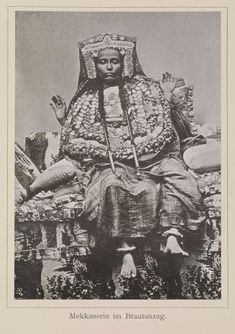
[
  {"x": 101, "y": 61},
  {"x": 104, "y": 61}
]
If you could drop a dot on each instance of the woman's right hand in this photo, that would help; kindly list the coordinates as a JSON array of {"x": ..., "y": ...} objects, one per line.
[{"x": 59, "y": 107}]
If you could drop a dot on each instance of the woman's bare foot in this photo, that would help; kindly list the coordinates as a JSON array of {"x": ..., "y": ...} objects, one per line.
[
  {"x": 172, "y": 246},
  {"x": 128, "y": 266}
]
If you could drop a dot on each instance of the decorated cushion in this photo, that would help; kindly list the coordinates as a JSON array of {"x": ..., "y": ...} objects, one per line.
[
  {"x": 204, "y": 158},
  {"x": 43, "y": 148},
  {"x": 57, "y": 174},
  {"x": 25, "y": 170}
]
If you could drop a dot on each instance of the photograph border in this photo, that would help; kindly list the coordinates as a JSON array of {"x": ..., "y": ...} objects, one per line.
[{"x": 224, "y": 302}]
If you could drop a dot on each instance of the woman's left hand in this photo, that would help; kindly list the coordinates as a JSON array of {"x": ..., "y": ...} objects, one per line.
[{"x": 167, "y": 83}]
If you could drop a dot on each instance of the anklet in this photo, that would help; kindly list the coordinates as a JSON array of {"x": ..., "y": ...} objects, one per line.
[
  {"x": 126, "y": 249},
  {"x": 172, "y": 231}
]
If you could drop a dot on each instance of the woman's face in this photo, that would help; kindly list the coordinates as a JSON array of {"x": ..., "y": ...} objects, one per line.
[{"x": 109, "y": 66}]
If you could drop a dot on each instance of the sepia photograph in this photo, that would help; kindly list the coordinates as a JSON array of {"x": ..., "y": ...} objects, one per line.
[{"x": 117, "y": 155}]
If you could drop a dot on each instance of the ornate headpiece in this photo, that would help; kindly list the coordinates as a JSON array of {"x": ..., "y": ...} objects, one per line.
[{"x": 90, "y": 48}]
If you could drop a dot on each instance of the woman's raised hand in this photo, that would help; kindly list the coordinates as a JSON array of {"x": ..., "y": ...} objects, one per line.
[
  {"x": 59, "y": 107},
  {"x": 167, "y": 84}
]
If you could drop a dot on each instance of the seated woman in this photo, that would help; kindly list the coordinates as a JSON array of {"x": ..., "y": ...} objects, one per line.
[{"x": 119, "y": 133}]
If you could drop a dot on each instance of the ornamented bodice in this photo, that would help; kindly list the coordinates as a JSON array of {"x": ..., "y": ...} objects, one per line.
[{"x": 148, "y": 112}]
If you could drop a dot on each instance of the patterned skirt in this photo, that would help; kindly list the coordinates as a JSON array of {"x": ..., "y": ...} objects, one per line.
[{"x": 126, "y": 206}]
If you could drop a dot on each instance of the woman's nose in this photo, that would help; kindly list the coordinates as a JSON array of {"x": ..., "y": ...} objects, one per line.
[{"x": 109, "y": 66}]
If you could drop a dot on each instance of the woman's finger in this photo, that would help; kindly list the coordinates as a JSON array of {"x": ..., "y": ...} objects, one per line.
[
  {"x": 54, "y": 99},
  {"x": 60, "y": 100},
  {"x": 53, "y": 107}
]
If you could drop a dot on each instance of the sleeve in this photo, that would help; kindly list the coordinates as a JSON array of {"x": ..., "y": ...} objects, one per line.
[{"x": 182, "y": 113}]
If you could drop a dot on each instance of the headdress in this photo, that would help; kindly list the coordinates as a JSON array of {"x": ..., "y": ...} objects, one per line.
[{"x": 89, "y": 49}]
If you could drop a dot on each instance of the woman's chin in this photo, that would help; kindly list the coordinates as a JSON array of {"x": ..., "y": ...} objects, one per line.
[{"x": 110, "y": 81}]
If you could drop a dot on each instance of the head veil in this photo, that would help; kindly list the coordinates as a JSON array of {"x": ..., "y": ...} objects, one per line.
[{"x": 88, "y": 51}]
